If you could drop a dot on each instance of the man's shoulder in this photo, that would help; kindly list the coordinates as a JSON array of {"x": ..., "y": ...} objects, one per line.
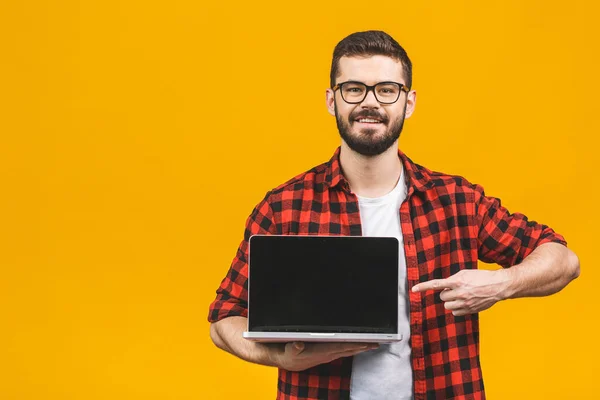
[
  {"x": 312, "y": 179},
  {"x": 444, "y": 182},
  {"x": 442, "y": 179}
]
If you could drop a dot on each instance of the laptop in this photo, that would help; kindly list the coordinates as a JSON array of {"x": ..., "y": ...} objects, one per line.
[{"x": 323, "y": 289}]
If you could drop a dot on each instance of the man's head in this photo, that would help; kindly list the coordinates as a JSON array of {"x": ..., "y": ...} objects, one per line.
[{"x": 370, "y": 119}]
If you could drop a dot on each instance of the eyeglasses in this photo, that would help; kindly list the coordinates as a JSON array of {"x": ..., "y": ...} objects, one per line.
[{"x": 385, "y": 92}]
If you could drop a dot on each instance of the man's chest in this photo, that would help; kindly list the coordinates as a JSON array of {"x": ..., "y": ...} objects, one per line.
[{"x": 437, "y": 230}]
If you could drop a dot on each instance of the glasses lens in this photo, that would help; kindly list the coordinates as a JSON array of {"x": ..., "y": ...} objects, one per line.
[
  {"x": 353, "y": 92},
  {"x": 387, "y": 92}
]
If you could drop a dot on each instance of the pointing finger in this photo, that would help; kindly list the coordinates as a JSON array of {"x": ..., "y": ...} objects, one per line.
[{"x": 434, "y": 284}]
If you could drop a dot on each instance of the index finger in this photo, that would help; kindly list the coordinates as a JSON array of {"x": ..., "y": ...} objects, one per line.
[{"x": 434, "y": 284}]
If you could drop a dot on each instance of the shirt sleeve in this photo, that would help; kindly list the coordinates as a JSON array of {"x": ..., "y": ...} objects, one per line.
[
  {"x": 232, "y": 294},
  {"x": 507, "y": 238}
]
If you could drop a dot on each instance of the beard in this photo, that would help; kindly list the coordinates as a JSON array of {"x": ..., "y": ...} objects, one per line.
[{"x": 365, "y": 142}]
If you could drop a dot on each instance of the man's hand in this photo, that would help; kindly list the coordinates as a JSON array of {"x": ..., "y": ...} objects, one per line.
[
  {"x": 298, "y": 356},
  {"x": 470, "y": 291},
  {"x": 295, "y": 356}
]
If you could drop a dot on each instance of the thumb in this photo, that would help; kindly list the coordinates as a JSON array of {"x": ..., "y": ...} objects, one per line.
[{"x": 296, "y": 347}]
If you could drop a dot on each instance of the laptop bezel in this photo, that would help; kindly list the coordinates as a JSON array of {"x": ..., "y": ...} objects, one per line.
[{"x": 274, "y": 336}]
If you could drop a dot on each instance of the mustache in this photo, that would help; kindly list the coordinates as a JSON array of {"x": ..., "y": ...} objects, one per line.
[{"x": 369, "y": 114}]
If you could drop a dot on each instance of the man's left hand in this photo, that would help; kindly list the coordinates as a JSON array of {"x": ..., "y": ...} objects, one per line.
[{"x": 469, "y": 291}]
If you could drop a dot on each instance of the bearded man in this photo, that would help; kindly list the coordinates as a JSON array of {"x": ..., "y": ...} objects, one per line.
[{"x": 444, "y": 225}]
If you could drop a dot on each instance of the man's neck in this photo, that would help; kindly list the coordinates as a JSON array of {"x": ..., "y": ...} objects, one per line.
[{"x": 373, "y": 176}]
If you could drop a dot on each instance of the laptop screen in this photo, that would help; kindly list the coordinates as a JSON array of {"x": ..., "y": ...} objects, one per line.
[{"x": 323, "y": 284}]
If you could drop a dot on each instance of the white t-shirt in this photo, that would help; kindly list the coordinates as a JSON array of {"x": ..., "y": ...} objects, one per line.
[{"x": 386, "y": 373}]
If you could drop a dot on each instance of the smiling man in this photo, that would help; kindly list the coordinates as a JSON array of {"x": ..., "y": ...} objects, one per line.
[{"x": 444, "y": 224}]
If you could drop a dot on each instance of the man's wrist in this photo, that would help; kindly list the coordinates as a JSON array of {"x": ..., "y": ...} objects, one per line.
[
  {"x": 270, "y": 353},
  {"x": 509, "y": 283}
]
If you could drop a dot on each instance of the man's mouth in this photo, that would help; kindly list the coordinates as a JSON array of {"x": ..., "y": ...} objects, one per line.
[{"x": 368, "y": 120}]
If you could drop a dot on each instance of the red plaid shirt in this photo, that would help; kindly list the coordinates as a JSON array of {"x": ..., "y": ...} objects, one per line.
[{"x": 447, "y": 224}]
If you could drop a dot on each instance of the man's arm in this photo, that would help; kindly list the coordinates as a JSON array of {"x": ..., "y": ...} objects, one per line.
[
  {"x": 295, "y": 356},
  {"x": 226, "y": 334},
  {"x": 228, "y": 313},
  {"x": 540, "y": 263},
  {"x": 548, "y": 269}
]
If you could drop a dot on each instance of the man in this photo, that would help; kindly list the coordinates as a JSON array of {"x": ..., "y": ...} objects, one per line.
[{"x": 443, "y": 222}]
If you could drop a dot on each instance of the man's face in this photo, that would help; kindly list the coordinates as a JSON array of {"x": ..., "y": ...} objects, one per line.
[{"x": 369, "y": 137}]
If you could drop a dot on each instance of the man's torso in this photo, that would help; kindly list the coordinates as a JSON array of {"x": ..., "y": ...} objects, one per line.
[{"x": 386, "y": 372}]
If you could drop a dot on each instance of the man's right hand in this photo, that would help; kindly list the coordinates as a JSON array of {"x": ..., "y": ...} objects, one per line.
[
  {"x": 298, "y": 356},
  {"x": 294, "y": 356}
]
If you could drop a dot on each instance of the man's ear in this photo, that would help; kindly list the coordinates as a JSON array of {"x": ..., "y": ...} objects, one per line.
[
  {"x": 411, "y": 102},
  {"x": 330, "y": 101}
]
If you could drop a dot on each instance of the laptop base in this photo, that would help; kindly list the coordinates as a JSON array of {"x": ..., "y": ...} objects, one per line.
[{"x": 284, "y": 337}]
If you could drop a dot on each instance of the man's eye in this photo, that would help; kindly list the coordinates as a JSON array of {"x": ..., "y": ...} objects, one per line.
[{"x": 388, "y": 90}]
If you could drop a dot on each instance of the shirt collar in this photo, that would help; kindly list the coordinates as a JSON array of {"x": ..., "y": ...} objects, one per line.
[{"x": 417, "y": 177}]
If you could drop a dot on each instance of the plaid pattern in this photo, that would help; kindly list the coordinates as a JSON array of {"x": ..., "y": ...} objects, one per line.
[{"x": 447, "y": 224}]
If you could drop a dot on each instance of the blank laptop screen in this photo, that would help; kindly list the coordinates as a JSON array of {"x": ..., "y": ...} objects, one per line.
[{"x": 323, "y": 284}]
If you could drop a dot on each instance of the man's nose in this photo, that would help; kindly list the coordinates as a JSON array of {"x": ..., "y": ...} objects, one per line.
[{"x": 370, "y": 100}]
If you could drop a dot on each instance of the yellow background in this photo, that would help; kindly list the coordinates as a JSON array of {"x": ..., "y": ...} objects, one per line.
[{"x": 136, "y": 137}]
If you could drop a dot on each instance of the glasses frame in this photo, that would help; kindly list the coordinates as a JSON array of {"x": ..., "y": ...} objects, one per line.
[{"x": 403, "y": 88}]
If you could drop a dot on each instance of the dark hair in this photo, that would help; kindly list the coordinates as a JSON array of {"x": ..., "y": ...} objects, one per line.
[{"x": 370, "y": 43}]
